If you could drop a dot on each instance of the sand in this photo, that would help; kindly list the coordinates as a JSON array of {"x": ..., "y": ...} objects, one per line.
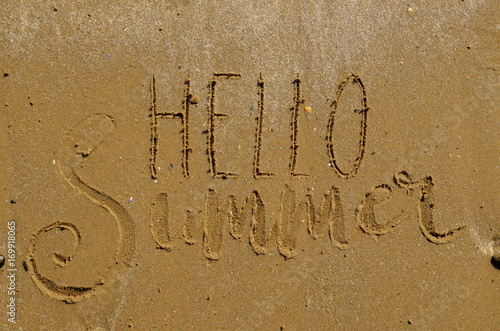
[{"x": 238, "y": 165}]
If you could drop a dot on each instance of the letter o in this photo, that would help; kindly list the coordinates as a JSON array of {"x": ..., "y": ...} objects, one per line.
[{"x": 331, "y": 122}]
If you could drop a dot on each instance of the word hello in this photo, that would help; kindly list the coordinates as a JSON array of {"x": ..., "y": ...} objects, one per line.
[{"x": 214, "y": 115}]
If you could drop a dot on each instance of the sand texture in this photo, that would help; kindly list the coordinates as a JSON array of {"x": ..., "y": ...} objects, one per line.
[{"x": 249, "y": 165}]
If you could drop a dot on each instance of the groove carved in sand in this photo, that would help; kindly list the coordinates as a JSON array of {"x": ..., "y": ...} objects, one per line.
[
  {"x": 365, "y": 213},
  {"x": 213, "y": 116},
  {"x": 80, "y": 143},
  {"x": 188, "y": 100},
  {"x": 330, "y": 214},
  {"x": 426, "y": 217},
  {"x": 216, "y": 215},
  {"x": 257, "y": 173},
  {"x": 425, "y": 207},
  {"x": 297, "y": 101},
  {"x": 363, "y": 111},
  {"x": 159, "y": 221}
]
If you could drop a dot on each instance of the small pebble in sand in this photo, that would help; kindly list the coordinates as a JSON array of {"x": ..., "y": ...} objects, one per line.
[
  {"x": 2, "y": 260},
  {"x": 308, "y": 109},
  {"x": 496, "y": 252},
  {"x": 193, "y": 99}
]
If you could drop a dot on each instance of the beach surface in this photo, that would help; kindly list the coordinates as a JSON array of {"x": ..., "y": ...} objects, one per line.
[{"x": 240, "y": 165}]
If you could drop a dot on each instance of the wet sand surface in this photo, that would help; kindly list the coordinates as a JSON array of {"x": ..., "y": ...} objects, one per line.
[{"x": 240, "y": 165}]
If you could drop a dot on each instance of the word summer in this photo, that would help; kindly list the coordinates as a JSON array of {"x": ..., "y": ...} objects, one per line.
[{"x": 249, "y": 219}]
